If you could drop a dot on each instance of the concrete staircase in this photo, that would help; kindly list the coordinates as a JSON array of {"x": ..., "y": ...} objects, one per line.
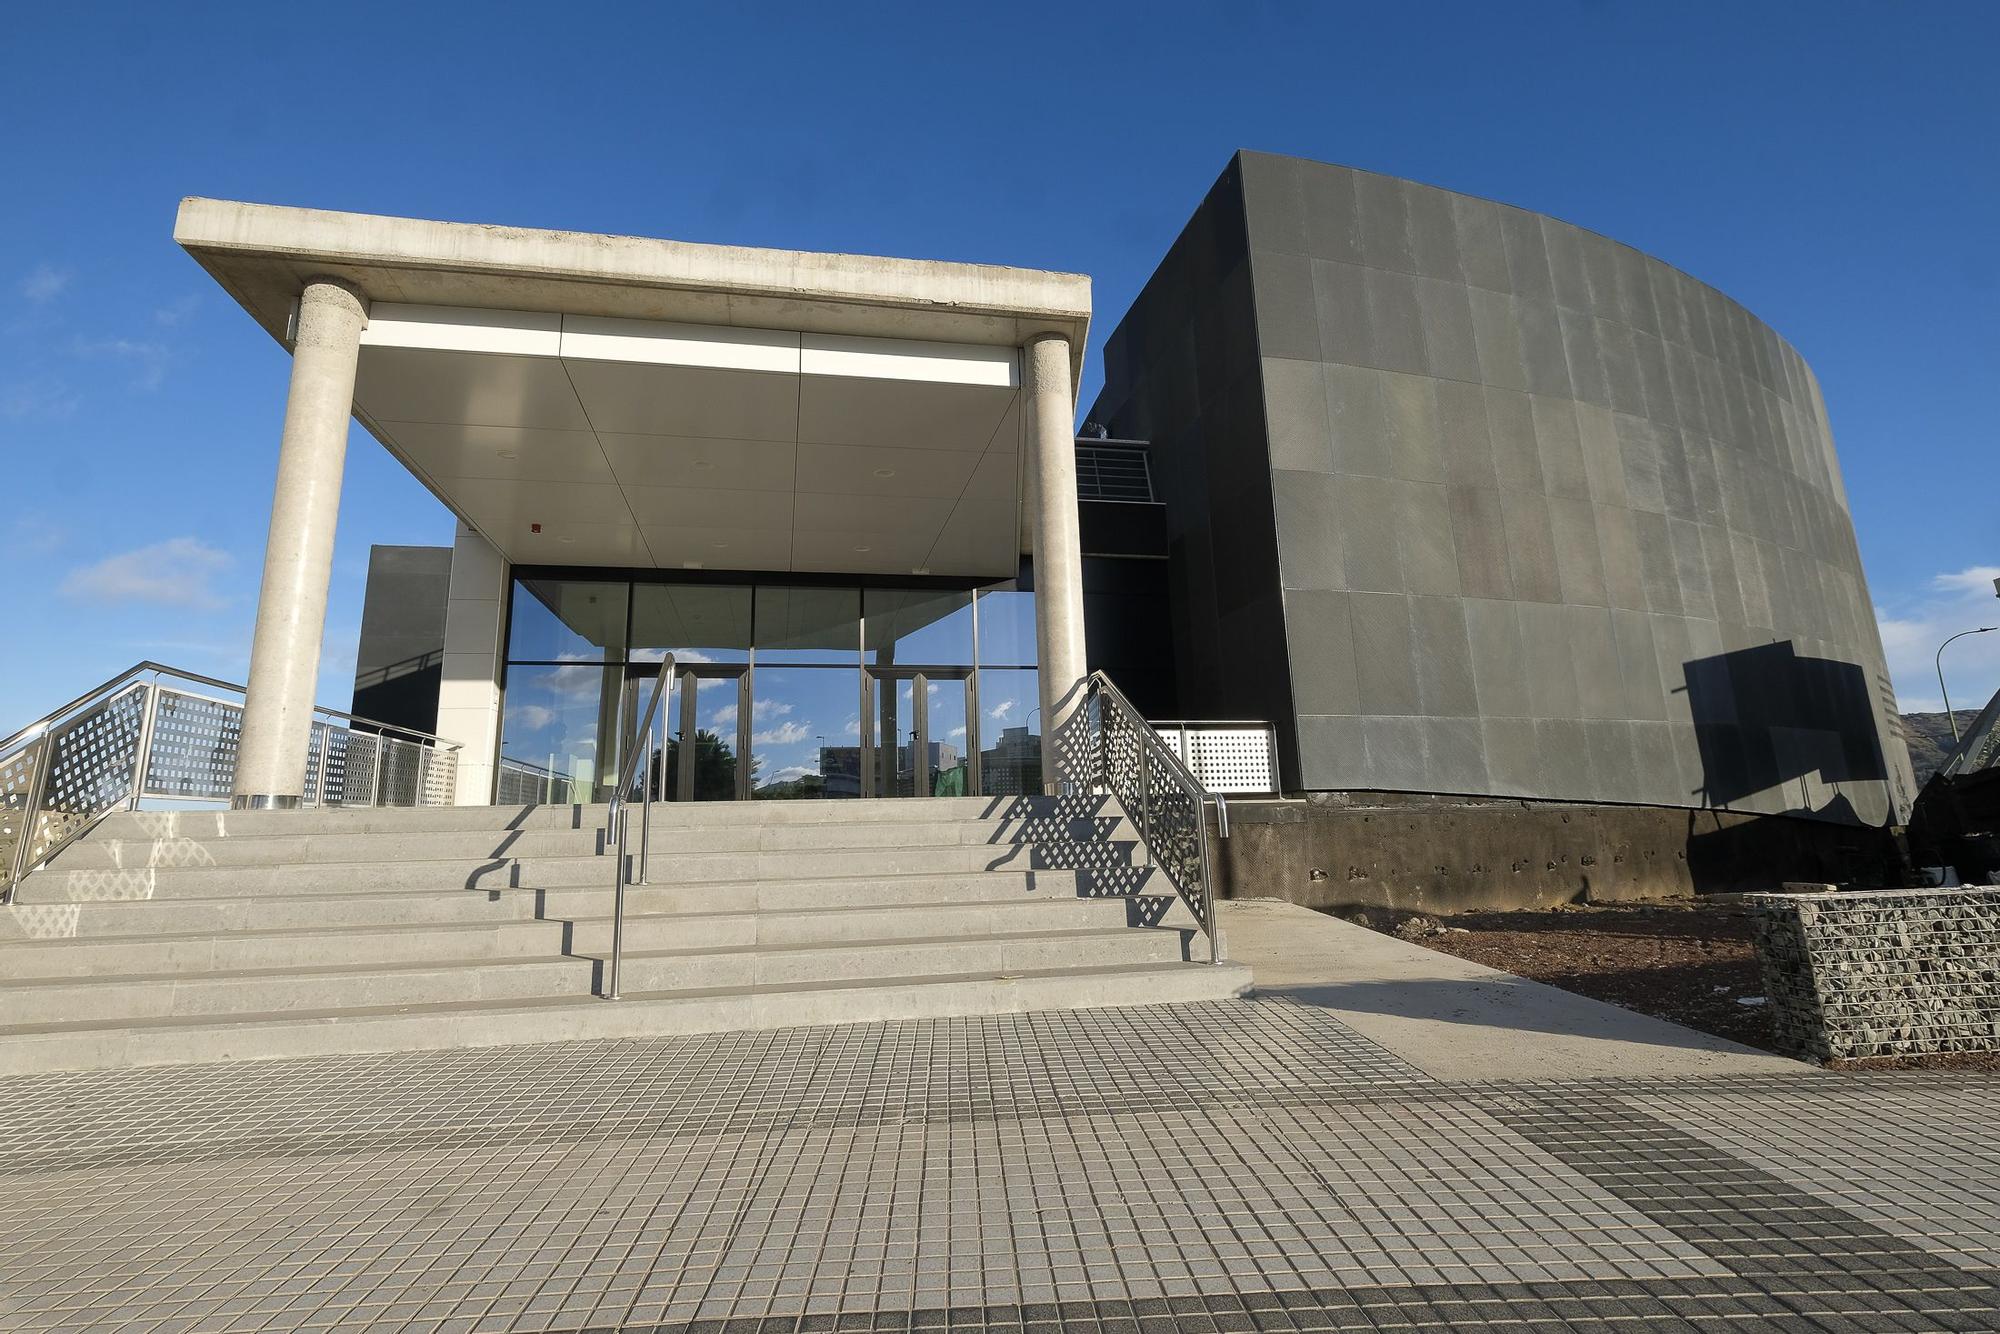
[{"x": 184, "y": 936}]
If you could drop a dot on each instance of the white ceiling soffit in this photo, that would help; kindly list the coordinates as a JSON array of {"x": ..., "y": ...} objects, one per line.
[{"x": 638, "y": 443}]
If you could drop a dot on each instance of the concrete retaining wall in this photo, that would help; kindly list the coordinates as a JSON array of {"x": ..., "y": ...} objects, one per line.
[
  {"x": 1882, "y": 974},
  {"x": 1444, "y": 854}
]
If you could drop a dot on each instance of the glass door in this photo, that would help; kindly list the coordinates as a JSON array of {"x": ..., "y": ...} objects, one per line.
[
  {"x": 920, "y": 733},
  {"x": 708, "y": 734}
]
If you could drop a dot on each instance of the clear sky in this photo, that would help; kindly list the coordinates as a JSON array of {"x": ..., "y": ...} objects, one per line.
[{"x": 1831, "y": 165}]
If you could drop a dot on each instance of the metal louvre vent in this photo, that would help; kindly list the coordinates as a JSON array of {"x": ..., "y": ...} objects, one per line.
[{"x": 1107, "y": 471}]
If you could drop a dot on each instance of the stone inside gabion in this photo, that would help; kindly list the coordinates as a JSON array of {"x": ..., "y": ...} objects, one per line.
[{"x": 1882, "y": 974}]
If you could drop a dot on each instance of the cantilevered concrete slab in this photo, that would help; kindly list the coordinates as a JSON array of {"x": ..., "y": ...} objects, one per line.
[{"x": 620, "y": 401}]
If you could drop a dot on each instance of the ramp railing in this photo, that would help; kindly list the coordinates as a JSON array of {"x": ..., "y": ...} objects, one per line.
[{"x": 157, "y": 732}]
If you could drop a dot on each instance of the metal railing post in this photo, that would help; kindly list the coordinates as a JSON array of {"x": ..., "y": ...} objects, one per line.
[
  {"x": 1208, "y": 878},
  {"x": 30, "y": 811},
  {"x": 145, "y": 754},
  {"x": 617, "y": 914},
  {"x": 1145, "y": 800},
  {"x": 375, "y": 791},
  {"x": 646, "y": 807},
  {"x": 617, "y": 822}
]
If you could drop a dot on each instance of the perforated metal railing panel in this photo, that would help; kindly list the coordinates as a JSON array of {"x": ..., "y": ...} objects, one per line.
[
  {"x": 17, "y": 771},
  {"x": 194, "y": 746},
  {"x": 92, "y": 768},
  {"x": 1231, "y": 758}
]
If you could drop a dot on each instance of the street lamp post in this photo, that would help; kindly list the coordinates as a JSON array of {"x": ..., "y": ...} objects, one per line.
[{"x": 1949, "y": 716}]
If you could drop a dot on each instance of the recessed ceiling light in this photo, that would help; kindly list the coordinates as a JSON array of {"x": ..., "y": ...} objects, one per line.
[
  {"x": 921, "y": 569},
  {"x": 690, "y": 565},
  {"x": 718, "y": 545},
  {"x": 509, "y": 454},
  {"x": 885, "y": 472},
  {"x": 565, "y": 539},
  {"x": 864, "y": 548}
]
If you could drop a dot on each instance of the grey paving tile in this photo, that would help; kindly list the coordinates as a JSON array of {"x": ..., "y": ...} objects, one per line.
[{"x": 1247, "y": 1165}]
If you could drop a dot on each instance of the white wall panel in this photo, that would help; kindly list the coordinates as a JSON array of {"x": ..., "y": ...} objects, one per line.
[
  {"x": 594, "y": 338},
  {"x": 900, "y": 359},
  {"x": 457, "y": 328}
]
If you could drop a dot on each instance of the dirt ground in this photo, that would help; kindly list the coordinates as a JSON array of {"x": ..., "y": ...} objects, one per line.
[{"x": 1690, "y": 961}]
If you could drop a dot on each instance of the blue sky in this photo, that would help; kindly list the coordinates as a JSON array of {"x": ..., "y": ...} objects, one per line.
[{"x": 1831, "y": 165}]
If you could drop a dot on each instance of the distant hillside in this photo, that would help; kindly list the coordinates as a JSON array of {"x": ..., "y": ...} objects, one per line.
[{"x": 1929, "y": 738}]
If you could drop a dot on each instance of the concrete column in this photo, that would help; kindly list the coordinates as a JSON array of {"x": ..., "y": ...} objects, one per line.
[
  {"x": 298, "y": 557},
  {"x": 1050, "y": 416},
  {"x": 469, "y": 691}
]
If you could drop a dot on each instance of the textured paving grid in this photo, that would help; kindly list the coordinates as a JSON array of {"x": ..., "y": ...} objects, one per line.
[{"x": 1246, "y": 1165}]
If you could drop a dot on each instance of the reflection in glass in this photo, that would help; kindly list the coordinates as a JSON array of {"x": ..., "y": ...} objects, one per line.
[
  {"x": 917, "y": 627},
  {"x": 946, "y": 762},
  {"x": 716, "y": 744},
  {"x": 895, "y": 737},
  {"x": 805, "y": 738},
  {"x": 714, "y": 767},
  {"x": 566, "y": 620},
  {"x": 808, "y": 624},
  {"x": 694, "y": 622},
  {"x": 558, "y": 727},
  {"x": 1010, "y": 734},
  {"x": 1007, "y": 629}
]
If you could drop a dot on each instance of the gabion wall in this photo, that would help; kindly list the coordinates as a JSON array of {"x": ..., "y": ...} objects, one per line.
[{"x": 1882, "y": 974}]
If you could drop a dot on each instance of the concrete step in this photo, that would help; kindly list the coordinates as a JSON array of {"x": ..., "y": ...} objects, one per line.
[
  {"x": 161, "y": 1040},
  {"x": 103, "y": 850},
  {"x": 328, "y": 988},
  {"x": 200, "y": 953},
  {"x": 121, "y": 999},
  {"x": 1108, "y": 862},
  {"x": 204, "y": 824},
  {"x": 314, "y": 911},
  {"x": 218, "y": 935}
]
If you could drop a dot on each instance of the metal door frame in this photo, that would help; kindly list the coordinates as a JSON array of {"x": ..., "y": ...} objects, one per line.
[
  {"x": 920, "y": 677},
  {"x": 687, "y": 708}
]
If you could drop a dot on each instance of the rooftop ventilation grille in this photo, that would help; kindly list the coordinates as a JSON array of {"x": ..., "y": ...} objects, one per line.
[{"x": 1106, "y": 471}]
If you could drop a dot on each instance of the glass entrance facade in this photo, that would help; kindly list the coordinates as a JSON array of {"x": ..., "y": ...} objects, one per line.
[{"x": 781, "y": 690}]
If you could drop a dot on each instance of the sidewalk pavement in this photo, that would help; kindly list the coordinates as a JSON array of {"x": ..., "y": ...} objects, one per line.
[{"x": 1385, "y": 1140}]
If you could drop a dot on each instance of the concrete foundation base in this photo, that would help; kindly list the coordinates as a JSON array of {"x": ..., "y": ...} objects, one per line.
[{"x": 1442, "y": 854}]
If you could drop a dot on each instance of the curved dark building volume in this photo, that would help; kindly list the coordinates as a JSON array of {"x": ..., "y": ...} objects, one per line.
[{"x": 1472, "y": 501}]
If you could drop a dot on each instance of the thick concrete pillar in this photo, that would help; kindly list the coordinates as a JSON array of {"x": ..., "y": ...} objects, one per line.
[
  {"x": 298, "y": 557},
  {"x": 1051, "y": 442}
]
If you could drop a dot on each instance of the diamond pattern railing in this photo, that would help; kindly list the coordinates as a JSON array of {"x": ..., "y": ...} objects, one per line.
[
  {"x": 1167, "y": 803},
  {"x": 136, "y": 737}
]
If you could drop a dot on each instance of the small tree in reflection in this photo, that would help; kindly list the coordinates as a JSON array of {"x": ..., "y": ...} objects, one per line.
[{"x": 714, "y": 767}]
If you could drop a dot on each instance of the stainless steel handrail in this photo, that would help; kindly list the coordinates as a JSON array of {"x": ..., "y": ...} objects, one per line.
[
  {"x": 1155, "y": 758},
  {"x": 614, "y": 820},
  {"x": 31, "y": 751}
]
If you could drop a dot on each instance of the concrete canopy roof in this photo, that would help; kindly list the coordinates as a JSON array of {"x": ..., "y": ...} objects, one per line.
[
  {"x": 263, "y": 254},
  {"x": 616, "y": 401}
]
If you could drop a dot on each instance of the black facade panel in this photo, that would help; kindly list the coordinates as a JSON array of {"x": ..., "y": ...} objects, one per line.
[
  {"x": 1181, "y": 371},
  {"x": 398, "y": 666},
  {"x": 1570, "y": 518}
]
